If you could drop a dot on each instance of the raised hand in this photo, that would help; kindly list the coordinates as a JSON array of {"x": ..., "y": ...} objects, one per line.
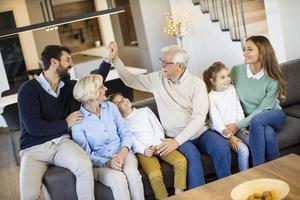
[
  {"x": 73, "y": 118},
  {"x": 112, "y": 51}
]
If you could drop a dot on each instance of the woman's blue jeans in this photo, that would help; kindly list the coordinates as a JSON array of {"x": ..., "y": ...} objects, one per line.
[
  {"x": 214, "y": 146},
  {"x": 262, "y": 137}
]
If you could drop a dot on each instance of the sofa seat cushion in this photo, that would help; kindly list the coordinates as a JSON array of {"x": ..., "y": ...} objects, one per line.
[
  {"x": 60, "y": 183},
  {"x": 289, "y": 135},
  {"x": 293, "y": 111}
]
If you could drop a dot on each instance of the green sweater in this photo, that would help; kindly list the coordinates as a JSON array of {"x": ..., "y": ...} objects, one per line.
[{"x": 255, "y": 95}]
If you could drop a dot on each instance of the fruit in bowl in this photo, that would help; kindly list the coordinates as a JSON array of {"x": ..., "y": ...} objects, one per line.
[{"x": 264, "y": 189}]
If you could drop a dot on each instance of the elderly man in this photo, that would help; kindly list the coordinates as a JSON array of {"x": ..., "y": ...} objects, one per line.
[
  {"x": 182, "y": 103},
  {"x": 47, "y": 111}
]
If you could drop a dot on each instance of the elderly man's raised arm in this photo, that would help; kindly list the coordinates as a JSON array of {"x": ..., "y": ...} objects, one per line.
[{"x": 142, "y": 82}]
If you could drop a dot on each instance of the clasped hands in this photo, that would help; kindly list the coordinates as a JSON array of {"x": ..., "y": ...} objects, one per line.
[{"x": 117, "y": 160}]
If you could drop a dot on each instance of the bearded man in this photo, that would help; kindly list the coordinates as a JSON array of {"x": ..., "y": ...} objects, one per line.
[{"x": 47, "y": 111}]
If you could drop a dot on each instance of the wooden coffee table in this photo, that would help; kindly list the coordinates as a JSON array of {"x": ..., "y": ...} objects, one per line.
[{"x": 286, "y": 168}]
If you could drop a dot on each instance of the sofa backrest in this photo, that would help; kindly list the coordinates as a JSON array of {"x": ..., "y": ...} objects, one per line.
[
  {"x": 291, "y": 70},
  {"x": 149, "y": 102}
]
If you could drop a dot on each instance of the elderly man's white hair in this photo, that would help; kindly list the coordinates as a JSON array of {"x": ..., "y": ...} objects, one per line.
[{"x": 180, "y": 56}]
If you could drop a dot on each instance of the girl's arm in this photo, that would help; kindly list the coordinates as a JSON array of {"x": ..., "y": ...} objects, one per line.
[{"x": 215, "y": 118}]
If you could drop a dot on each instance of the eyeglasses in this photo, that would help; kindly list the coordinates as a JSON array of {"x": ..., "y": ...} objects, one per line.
[{"x": 165, "y": 62}]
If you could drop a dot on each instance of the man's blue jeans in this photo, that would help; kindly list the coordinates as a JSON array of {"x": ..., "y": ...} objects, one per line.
[
  {"x": 211, "y": 144},
  {"x": 262, "y": 137}
]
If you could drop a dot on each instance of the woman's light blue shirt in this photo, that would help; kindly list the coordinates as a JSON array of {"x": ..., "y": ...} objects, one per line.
[{"x": 102, "y": 137}]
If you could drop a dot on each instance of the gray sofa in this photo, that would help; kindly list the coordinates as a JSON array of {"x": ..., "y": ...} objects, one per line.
[{"x": 60, "y": 182}]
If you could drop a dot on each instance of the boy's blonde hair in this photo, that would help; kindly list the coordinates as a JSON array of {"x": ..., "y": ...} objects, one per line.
[{"x": 87, "y": 88}]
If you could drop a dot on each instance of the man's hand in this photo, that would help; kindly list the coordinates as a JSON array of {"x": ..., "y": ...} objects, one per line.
[
  {"x": 112, "y": 51},
  {"x": 167, "y": 146},
  {"x": 233, "y": 142},
  {"x": 230, "y": 128},
  {"x": 149, "y": 151},
  {"x": 73, "y": 118}
]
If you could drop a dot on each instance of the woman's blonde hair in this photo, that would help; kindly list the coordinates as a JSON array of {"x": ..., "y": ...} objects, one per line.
[
  {"x": 269, "y": 62},
  {"x": 87, "y": 88},
  {"x": 211, "y": 73}
]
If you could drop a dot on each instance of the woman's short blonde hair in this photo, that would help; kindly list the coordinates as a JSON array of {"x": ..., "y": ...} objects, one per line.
[{"x": 87, "y": 88}]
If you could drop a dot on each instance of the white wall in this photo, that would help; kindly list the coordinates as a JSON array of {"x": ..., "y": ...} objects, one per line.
[
  {"x": 26, "y": 39},
  {"x": 283, "y": 19},
  {"x": 154, "y": 20},
  {"x": 206, "y": 43},
  {"x": 148, "y": 18},
  {"x": 290, "y": 18}
]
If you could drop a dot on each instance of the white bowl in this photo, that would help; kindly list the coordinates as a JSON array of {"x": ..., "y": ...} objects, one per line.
[{"x": 278, "y": 188}]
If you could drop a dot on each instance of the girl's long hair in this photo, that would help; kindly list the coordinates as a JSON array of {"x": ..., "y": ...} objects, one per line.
[
  {"x": 269, "y": 62},
  {"x": 211, "y": 73}
]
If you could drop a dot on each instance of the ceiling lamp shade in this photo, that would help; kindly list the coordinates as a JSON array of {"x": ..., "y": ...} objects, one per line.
[{"x": 60, "y": 21}]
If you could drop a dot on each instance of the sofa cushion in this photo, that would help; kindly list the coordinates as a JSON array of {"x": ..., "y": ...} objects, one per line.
[
  {"x": 60, "y": 183},
  {"x": 293, "y": 111},
  {"x": 150, "y": 103},
  {"x": 291, "y": 72},
  {"x": 290, "y": 134}
]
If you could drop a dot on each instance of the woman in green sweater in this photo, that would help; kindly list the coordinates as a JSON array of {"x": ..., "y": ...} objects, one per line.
[{"x": 260, "y": 85}]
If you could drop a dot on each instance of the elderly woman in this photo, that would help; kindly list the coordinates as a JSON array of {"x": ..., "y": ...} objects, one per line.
[{"x": 104, "y": 136}]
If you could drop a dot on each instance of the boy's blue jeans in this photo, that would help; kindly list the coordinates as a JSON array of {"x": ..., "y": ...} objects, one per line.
[{"x": 211, "y": 144}]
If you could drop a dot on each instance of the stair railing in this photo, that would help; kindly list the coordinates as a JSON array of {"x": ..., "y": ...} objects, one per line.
[{"x": 229, "y": 13}]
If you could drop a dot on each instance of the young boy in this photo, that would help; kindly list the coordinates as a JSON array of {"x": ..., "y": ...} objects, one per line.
[{"x": 147, "y": 134}]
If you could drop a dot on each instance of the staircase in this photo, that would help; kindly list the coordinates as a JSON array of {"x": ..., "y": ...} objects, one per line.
[{"x": 242, "y": 18}]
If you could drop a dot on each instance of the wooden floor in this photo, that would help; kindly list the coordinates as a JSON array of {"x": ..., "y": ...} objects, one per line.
[{"x": 9, "y": 171}]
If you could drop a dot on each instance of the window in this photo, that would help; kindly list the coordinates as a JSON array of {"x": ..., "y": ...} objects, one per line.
[{"x": 11, "y": 52}]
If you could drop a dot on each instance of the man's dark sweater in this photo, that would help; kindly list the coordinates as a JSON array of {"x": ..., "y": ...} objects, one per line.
[{"x": 42, "y": 116}]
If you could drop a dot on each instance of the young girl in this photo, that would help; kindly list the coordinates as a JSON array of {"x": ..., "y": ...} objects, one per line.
[
  {"x": 225, "y": 108},
  {"x": 260, "y": 83},
  {"x": 147, "y": 134},
  {"x": 104, "y": 136}
]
